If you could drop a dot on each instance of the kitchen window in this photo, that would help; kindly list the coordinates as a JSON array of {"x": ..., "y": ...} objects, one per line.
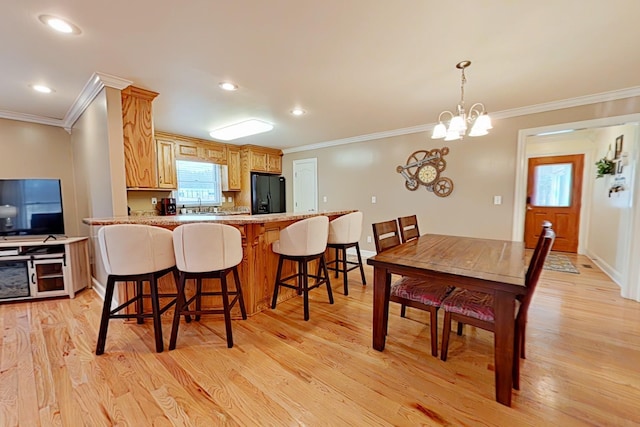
[{"x": 198, "y": 184}]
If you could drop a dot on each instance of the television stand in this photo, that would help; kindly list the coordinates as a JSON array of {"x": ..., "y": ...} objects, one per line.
[{"x": 32, "y": 269}]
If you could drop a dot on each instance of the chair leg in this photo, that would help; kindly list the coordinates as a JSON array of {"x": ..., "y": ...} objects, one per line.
[
  {"x": 517, "y": 340},
  {"x": 106, "y": 311},
  {"x": 446, "y": 332},
  {"x": 434, "y": 331},
  {"x": 276, "y": 286},
  {"x": 345, "y": 278},
  {"x": 236, "y": 277},
  {"x": 155, "y": 304},
  {"x": 460, "y": 328},
  {"x": 403, "y": 310},
  {"x": 326, "y": 275},
  {"x": 176, "y": 280},
  {"x": 139, "y": 302},
  {"x": 299, "y": 276},
  {"x": 227, "y": 310},
  {"x": 522, "y": 327},
  {"x": 364, "y": 281},
  {"x": 337, "y": 261},
  {"x": 180, "y": 305},
  {"x": 198, "y": 297},
  {"x": 305, "y": 289}
]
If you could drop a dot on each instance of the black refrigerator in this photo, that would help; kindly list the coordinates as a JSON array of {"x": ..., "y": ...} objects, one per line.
[{"x": 267, "y": 193}]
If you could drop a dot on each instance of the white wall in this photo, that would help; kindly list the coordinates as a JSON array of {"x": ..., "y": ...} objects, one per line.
[{"x": 32, "y": 150}]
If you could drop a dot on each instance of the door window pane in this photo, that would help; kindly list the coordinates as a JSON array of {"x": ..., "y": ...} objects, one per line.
[{"x": 552, "y": 185}]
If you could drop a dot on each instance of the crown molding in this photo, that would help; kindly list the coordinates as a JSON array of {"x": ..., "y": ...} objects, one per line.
[
  {"x": 93, "y": 87},
  {"x": 514, "y": 112},
  {"x": 30, "y": 118},
  {"x": 90, "y": 90}
]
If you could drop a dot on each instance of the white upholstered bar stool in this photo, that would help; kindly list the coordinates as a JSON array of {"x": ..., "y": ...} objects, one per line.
[
  {"x": 135, "y": 253},
  {"x": 302, "y": 242},
  {"x": 207, "y": 251},
  {"x": 344, "y": 233}
]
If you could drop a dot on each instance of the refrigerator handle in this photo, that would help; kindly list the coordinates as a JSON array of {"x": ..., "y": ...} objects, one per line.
[{"x": 269, "y": 207}]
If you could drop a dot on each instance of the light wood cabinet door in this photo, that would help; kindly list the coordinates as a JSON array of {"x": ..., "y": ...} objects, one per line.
[
  {"x": 167, "y": 177},
  {"x": 233, "y": 162},
  {"x": 214, "y": 153},
  {"x": 258, "y": 161},
  {"x": 274, "y": 163},
  {"x": 187, "y": 150},
  {"x": 139, "y": 146}
]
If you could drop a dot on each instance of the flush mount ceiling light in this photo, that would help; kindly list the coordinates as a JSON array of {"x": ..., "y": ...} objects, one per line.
[
  {"x": 42, "y": 89},
  {"x": 228, "y": 86},
  {"x": 240, "y": 130},
  {"x": 478, "y": 119},
  {"x": 298, "y": 112},
  {"x": 59, "y": 24}
]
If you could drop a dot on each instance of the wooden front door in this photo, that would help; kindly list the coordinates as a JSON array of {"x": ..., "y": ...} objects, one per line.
[{"x": 554, "y": 192}]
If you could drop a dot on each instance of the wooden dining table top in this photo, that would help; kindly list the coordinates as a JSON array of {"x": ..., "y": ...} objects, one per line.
[{"x": 487, "y": 259}]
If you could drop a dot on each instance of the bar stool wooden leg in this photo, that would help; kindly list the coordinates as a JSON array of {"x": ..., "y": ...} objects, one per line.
[
  {"x": 337, "y": 258},
  {"x": 198, "y": 297},
  {"x": 326, "y": 275},
  {"x": 305, "y": 289},
  {"x": 277, "y": 285},
  {"x": 345, "y": 271},
  {"x": 236, "y": 278},
  {"x": 364, "y": 281},
  {"x": 180, "y": 305},
  {"x": 106, "y": 311},
  {"x": 140, "y": 301},
  {"x": 227, "y": 311},
  {"x": 157, "y": 324}
]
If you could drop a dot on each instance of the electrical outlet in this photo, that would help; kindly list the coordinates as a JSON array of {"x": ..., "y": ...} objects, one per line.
[
  {"x": 230, "y": 199},
  {"x": 324, "y": 199},
  {"x": 368, "y": 239},
  {"x": 154, "y": 201}
]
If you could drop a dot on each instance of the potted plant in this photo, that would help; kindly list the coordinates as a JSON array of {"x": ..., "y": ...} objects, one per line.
[{"x": 604, "y": 167}]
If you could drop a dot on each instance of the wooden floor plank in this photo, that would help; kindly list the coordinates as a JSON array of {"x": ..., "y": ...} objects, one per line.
[{"x": 583, "y": 350}]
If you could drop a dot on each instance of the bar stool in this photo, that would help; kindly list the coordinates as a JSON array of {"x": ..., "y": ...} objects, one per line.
[
  {"x": 137, "y": 253},
  {"x": 302, "y": 242},
  {"x": 344, "y": 233},
  {"x": 207, "y": 251}
]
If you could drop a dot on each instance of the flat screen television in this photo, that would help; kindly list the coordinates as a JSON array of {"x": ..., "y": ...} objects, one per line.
[{"x": 30, "y": 207}]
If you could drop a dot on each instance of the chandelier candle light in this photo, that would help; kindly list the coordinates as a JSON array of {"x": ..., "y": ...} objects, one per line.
[{"x": 477, "y": 118}]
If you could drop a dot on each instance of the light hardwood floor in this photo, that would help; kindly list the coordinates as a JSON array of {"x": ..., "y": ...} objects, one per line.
[{"x": 583, "y": 365}]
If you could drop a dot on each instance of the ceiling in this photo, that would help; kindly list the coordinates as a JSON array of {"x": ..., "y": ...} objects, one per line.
[{"x": 358, "y": 67}]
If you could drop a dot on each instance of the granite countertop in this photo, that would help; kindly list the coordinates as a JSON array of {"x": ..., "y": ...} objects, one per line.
[{"x": 222, "y": 219}]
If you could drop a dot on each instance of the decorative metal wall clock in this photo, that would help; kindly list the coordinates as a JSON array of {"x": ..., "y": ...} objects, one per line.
[{"x": 424, "y": 168}]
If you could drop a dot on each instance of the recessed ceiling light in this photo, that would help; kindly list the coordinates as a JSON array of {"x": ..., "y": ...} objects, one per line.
[
  {"x": 242, "y": 129},
  {"x": 228, "y": 86},
  {"x": 298, "y": 112},
  {"x": 42, "y": 89},
  {"x": 59, "y": 24}
]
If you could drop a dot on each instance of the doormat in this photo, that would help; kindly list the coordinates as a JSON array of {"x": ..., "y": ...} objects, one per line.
[{"x": 558, "y": 262}]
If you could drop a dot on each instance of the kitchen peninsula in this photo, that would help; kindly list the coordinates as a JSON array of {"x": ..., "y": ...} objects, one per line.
[{"x": 259, "y": 262}]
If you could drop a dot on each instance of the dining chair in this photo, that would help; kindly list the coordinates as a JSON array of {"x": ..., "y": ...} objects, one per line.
[
  {"x": 408, "y": 228},
  {"x": 477, "y": 308},
  {"x": 411, "y": 291}
]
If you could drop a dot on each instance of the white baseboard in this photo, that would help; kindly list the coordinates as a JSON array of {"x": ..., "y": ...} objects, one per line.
[
  {"x": 363, "y": 254},
  {"x": 613, "y": 274}
]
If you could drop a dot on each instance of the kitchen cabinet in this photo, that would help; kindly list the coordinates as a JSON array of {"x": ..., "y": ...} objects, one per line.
[
  {"x": 194, "y": 149},
  {"x": 262, "y": 159},
  {"x": 234, "y": 171},
  {"x": 167, "y": 177},
  {"x": 139, "y": 145}
]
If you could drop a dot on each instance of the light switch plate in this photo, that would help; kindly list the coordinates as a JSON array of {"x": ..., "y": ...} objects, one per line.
[
  {"x": 373, "y": 199},
  {"x": 497, "y": 200}
]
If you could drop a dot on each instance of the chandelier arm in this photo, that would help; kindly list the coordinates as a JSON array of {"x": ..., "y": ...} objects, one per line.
[
  {"x": 476, "y": 111},
  {"x": 445, "y": 112}
]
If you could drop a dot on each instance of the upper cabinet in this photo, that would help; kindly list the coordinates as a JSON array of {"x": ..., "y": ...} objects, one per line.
[
  {"x": 234, "y": 170},
  {"x": 167, "y": 177},
  {"x": 197, "y": 149},
  {"x": 263, "y": 159},
  {"x": 139, "y": 145}
]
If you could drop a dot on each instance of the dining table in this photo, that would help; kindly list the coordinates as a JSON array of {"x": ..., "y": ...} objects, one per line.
[{"x": 486, "y": 265}]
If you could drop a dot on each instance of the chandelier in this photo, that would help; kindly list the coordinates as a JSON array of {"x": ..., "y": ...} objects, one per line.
[{"x": 477, "y": 119}]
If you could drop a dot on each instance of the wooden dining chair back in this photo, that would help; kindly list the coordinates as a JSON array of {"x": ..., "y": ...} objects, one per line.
[
  {"x": 408, "y": 228},
  {"x": 477, "y": 308},
  {"x": 386, "y": 235},
  {"x": 546, "y": 225},
  {"x": 412, "y": 291}
]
